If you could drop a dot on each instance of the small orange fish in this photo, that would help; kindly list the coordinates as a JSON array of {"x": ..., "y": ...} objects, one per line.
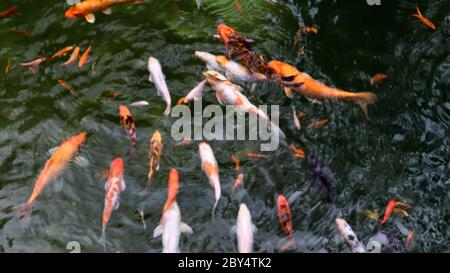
[
  {"x": 53, "y": 167},
  {"x": 66, "y": 86},
  {"x": 129, "y": 125},
  {"x": 87, "y": 8},
  {"x": 318, "y": 123},
  {"x": 424, "y": 20},
  {"x": 109, "y": 94},
  {"x": 8, "y": 66},
  {"x": 409, "y": 238},
  {"x": 391, "y": 208},
  {"x": 156, "y": 148},
  {"x": 236, "y": 162},
  {"x": 238, "y": 6},
  {"x": 173, "y": 185},
  {"x": 284, "y": 215},
  {"x": 20, "y": 32},
  {"x": 85, "y": 56},
  {"x": 297, "y": 152},
  {"x": 253, "y": 155},
  {"x": 33, "y": 66},
  {"x": 73, "y": 57},
  {"x": 62, "y": 52},
  {"x": 377, "y": 78},
  {"x": 239, "y": 180},
  {"x": 11, "y": 11},
  {"x": 303, "y": 30}
]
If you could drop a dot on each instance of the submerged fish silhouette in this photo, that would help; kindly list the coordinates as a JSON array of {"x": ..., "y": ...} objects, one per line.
[{"x": 322, "y": 177}]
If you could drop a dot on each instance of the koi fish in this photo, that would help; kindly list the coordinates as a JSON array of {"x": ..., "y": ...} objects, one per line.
[
  {"x": 11, "y": 11},
  {"x": 141, "y": 214},
  {"x": 140, "y": 103},
  {"x": 73, "y": 57},
  {"x": 239, "y": 180},
  {"x": 85, "y": 56},
  {"x": 377, "y": 78},
  {"x": 392, "y": 207},
  {"x": 296, "y": 119},
  {"x": 409, "y": 238},
  {"x": 113, "y": 187},
  {"x": 109, "y": 94},
  {"x": 297, "y": 152},
  {"x": 159, "y": 79},
  {"x": 211, "y": 169},
  {"x": 62, "y": 52},
  {"x": 227, "y": 92},
  {"x": 285, "y": 218},
  {"x": 349, "y": 236},
  {"x": 171, "y": 228},
  {"x": 129, "y": 125},
  {"x": 20, "y": 32},
  {"x": 53, "y": 167},
  {"x": 8, "y": 67},
  {"x": 312, "y": 89},
  {"x": 156, "y": 148},
  {"x": 66, "y": 86},
  {"x": 303, "y": 30},
  {"x": 173, "y": 185},
  {"x": 322, "y": 177},
  {"x": 236, "y": 162},
  {"x": 194, "y": 94},
  {"x": 318, "y": 123},
  {"x": 239, "y": 47},
  {"x": 238, "y": 7},
  {"x": 33, "y": 66},
  {"x": 424, "y": 20},
  {"x": 87, "y": 8},
  {"x": 253, "y": 155},
  {"x": 244, "y": 230},
  {"x": 371, "y": 214}
]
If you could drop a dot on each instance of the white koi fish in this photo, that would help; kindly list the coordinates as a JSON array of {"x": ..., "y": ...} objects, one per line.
[
  {"x": 194, "y": 94},
  {"x": 158, "y": 78},
  {"x": 211, "y": 169},
  {"x": 244, "y": 230},
  {"x": 349, "y": 236}
]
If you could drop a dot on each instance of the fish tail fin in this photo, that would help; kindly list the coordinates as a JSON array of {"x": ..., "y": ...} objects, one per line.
[
  {"x": 149, "y": 179},
  {"x": 290, "y": 244},
  {"x": 103, "y": 238},
  {"x": 34, "y": 68},
  {"x": 167, "y": 111},
  {"x": 23, "y": 211},
  {"x": 131, "y": 152},
  {"x": 214, "y": 208},
  {"x": 364, "y": 98},
  {"x": 418, "y": 14}
]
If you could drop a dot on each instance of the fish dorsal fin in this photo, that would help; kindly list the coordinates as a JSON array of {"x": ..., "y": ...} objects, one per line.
[
  {"x": 184, "y": 228},
  {"x": 233, "y": 229},
  {"x": 158, "y": 231},
  {"x": 288, "y": 92},
  {"x": 255, "y": 229},
  {"x": 107, "y": 11},
  {"x": 90, "y": 18}
]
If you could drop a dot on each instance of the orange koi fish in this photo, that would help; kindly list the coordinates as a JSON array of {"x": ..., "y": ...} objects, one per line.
[
  {"x": 33, "y": 66},
  {"x": 236, "y": 162},
  {"x": 239, "y": 180},
  {"x": 113, "y": 187},
  {"x": 409, "y": 238},
  {"x": 87, "y": 8},
  {"x": 129, "y": 125},
  {"x": 254, "y": 155},
  {"x": 303, "y": 84},
  {"x": 392, "y": 207},
  {"x": 377, "y": 78},
  {"x": 238, "y": 7},
  {"x": 285, "y": 218},
  {"x": 424, "y": 20},
  {"x": 84, "y": 57},
  {"x": 156, "y": 148},
  {"x": 297, "y": 152},
  {"x": 66, "y": 86},
  {"x": 11, "y": 11},
  {"x": 53, "y": 167},
  {"x": 318, "y": 123},
  {"x": 173, "y": 185},
  {"x": 62, "y": 52},
  {"x": 73, "y": 57}
]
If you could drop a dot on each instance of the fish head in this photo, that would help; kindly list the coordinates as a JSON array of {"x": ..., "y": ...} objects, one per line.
[
  {"x": 173, "y": 177},
  {"x": 74, "y": 12},
  {"x": 157, "y": 137},
  {"x": 243, "y": 210},
  {"x": 116, "y": 168},
  {"x": 347, "y": 233},
  {"x": 214, "y": 77},
  {"x": 78, "y": 139},
  {"x": 124, "y": 111},
  {"x": 225, "y": 32},
  {"x": 206, "y": 57},
  {"x": 152, "y": 62}
]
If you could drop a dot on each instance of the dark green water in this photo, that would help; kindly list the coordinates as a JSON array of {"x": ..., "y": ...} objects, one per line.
[{"x": 401, "y": 153}]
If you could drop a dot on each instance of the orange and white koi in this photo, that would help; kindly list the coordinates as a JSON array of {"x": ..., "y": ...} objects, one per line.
[
  {"x": 211, "y": 169},
  {"x": 377, "y": 78},
  {"x": 62, "y": 52},
  {"x": 73, "y": 57},
  {"x": 33, "y": 66},
  {"x": 392, "y": 207},
  {"x": 194, "y": 94},
  {"x": 129, "y": 125},
  {"x": 173, "y": 184},
  {"x": 156, "y": 148},
  {"x": 239, "y": 180},
  {"x": 85, "y": 56},
  {"x": 349, "y": 236},
  {"x": 244, "y": 230},
  {"x": 53, "y": 167},
  {"x": 312, "y": 89},
  {"x": 424, "y": 20},
  {"x": 113, "y": 187},
  {"x": 158, "y": 78},
  {"x": 87, "y": 8},
  {"x": 171, "y": 228},
  {"x": 285, "y": 218}
]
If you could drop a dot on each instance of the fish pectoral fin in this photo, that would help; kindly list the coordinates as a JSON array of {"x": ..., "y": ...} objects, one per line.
[
  {"x": 107, "y": 11},
  {"x": 288, "y": 92},
  {"x": 158, "y": 231},
  {"x": 233, "y": 229},
  {"x": 255, "y": 229},
  {"x": 116, "y": 204},
  {"x": 150, "y": 79},
  {"x": 90, "y": 18},
  {"x": 313, "y": 100},
  {"x": 184, "y": 228},
  {"x": 81, "y": 161},
  {"x": 122, "y": 185}
]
